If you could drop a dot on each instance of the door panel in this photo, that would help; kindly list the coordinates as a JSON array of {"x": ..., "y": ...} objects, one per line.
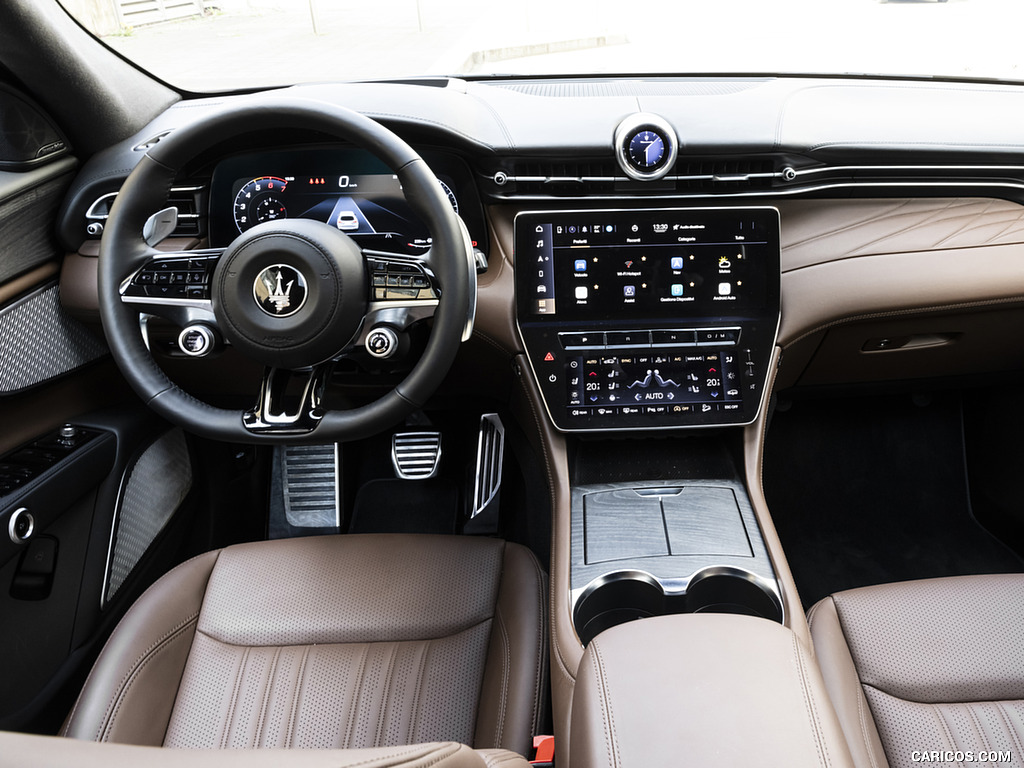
[{"x": 109, "y": 512}]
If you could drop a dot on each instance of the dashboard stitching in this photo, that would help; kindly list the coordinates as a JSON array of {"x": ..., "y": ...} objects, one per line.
[{"x": 497, "y": 118}]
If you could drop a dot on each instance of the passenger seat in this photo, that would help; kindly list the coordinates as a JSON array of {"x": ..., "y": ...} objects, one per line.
[{"x": 927, "y": 671}]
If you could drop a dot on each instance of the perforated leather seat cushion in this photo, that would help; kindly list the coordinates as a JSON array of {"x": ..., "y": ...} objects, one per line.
[
  {"x": 329, "y": 642},
  {"x": 928, "y": 665}
]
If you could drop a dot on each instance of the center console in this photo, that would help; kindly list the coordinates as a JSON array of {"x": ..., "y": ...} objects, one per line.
[
  {"x": 648, "y": 318},
  {"x": 639, "y": 324}
]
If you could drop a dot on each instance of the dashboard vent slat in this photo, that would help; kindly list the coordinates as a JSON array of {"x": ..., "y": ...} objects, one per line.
[
  {"x": 187, "y": 199},
  {"x": 596, "y": 177}
]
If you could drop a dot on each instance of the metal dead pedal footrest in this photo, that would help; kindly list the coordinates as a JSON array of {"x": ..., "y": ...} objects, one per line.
[
  {"x": 311, "y": 487},
  {"x": 416, "y": 455}
]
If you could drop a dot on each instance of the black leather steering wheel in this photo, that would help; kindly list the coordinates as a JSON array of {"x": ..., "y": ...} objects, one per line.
[{"x": 314, "y": 328}]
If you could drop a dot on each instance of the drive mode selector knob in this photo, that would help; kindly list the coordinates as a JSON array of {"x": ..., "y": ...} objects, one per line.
[
  {"x": 381, "y": 342},
  {"x": 196, "y": 341}
]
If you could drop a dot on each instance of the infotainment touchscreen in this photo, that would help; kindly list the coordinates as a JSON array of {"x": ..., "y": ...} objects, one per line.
[
  {"x": 646, "y": 264},
  {"x": 649, "y": 319}
]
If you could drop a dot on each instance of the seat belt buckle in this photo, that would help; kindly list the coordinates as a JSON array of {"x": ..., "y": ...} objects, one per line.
[{"x": 544, "y": 751}]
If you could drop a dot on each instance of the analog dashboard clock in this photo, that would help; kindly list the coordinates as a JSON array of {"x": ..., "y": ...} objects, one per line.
[{"x": 645, "y": 146}]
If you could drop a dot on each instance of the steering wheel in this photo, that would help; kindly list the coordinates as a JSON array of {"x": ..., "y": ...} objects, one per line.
[{"x": 293, "y": 295}]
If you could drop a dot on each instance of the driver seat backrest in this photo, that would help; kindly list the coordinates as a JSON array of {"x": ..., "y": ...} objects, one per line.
[{"x": 329, "y": 642}]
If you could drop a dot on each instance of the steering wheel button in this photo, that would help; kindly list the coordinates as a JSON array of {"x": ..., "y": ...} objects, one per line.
[
  {"x": 393, "y": 280},
  {"x": 162, "y": 278},
  {"x": 197, "y": 292},
  {"x": 144, "y": 278}
]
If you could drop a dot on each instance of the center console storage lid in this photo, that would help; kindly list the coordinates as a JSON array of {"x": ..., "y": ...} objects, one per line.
[{"x": 702, "y": 690}]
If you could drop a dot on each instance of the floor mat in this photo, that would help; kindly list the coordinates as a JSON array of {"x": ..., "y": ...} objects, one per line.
[
  {"x": 874, "y": 490},
  {"x": 406, "y": 506}
]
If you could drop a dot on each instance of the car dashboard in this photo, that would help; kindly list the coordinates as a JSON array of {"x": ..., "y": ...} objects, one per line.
[{"x": 875, "y": 219}]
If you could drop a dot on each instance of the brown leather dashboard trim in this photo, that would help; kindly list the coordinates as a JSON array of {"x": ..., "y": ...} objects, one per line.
[{"x": 19, "y": 285}]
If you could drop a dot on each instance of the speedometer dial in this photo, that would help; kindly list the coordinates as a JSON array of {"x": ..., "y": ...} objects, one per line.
[{"x": 259, "y": 200}]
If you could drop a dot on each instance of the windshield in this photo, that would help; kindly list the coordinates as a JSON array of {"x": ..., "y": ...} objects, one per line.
[{"x": 201, "y": 46}]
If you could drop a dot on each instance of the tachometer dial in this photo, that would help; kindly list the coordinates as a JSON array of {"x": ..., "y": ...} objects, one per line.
[{"x": 259, "y": 200}]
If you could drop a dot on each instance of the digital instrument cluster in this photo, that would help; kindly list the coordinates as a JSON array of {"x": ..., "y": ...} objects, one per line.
[
  {"x": 649, "y": 318},
  {"x": 346, "y": 188}
]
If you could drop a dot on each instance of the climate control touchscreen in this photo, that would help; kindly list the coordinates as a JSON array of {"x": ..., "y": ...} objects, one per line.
[{"x": 649, "y": 318}]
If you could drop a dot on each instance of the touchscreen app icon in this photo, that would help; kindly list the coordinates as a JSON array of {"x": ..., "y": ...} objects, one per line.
[
  {"x": 677, "y": 262},
  {"x": 677, "y": 289},
  {"x": 629, "y": 290},
  {"x": 581, "y": 265},
  {"x": 581, "y": 291},
  {"x": 724, "y": 289}
]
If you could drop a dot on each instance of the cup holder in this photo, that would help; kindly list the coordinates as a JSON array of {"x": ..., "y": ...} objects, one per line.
[{"x": 629, "y": 595}]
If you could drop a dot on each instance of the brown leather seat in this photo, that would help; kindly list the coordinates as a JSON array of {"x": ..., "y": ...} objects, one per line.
[
  {"x": 344, "y": 642},
  {"x": 925, "y": 666}
]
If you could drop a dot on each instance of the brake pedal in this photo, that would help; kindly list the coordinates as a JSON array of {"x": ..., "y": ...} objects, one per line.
[{"x": 416, "y": 455}]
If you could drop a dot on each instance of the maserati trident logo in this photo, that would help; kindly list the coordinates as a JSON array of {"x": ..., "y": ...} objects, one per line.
[{"x": 280, "y": 290}]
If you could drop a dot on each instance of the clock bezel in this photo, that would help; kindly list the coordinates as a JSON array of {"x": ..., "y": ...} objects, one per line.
[{"x": 634, "y": 125}]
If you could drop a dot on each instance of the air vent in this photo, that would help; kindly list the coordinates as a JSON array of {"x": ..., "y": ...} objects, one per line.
[
  {"x": 688, "y": 176},
  {"x": 187, "y": 199},
  {"x": 723, "y": 175},
  {"x": 565, "y": 178}
]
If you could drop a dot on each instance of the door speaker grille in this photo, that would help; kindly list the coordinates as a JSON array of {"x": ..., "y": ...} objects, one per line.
[{"x": 153, "y": 490}]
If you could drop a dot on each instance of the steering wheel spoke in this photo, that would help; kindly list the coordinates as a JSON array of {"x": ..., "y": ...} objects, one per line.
[
  {"x": 272, "y": 415},
  {"x": 174, "y": 285}
]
